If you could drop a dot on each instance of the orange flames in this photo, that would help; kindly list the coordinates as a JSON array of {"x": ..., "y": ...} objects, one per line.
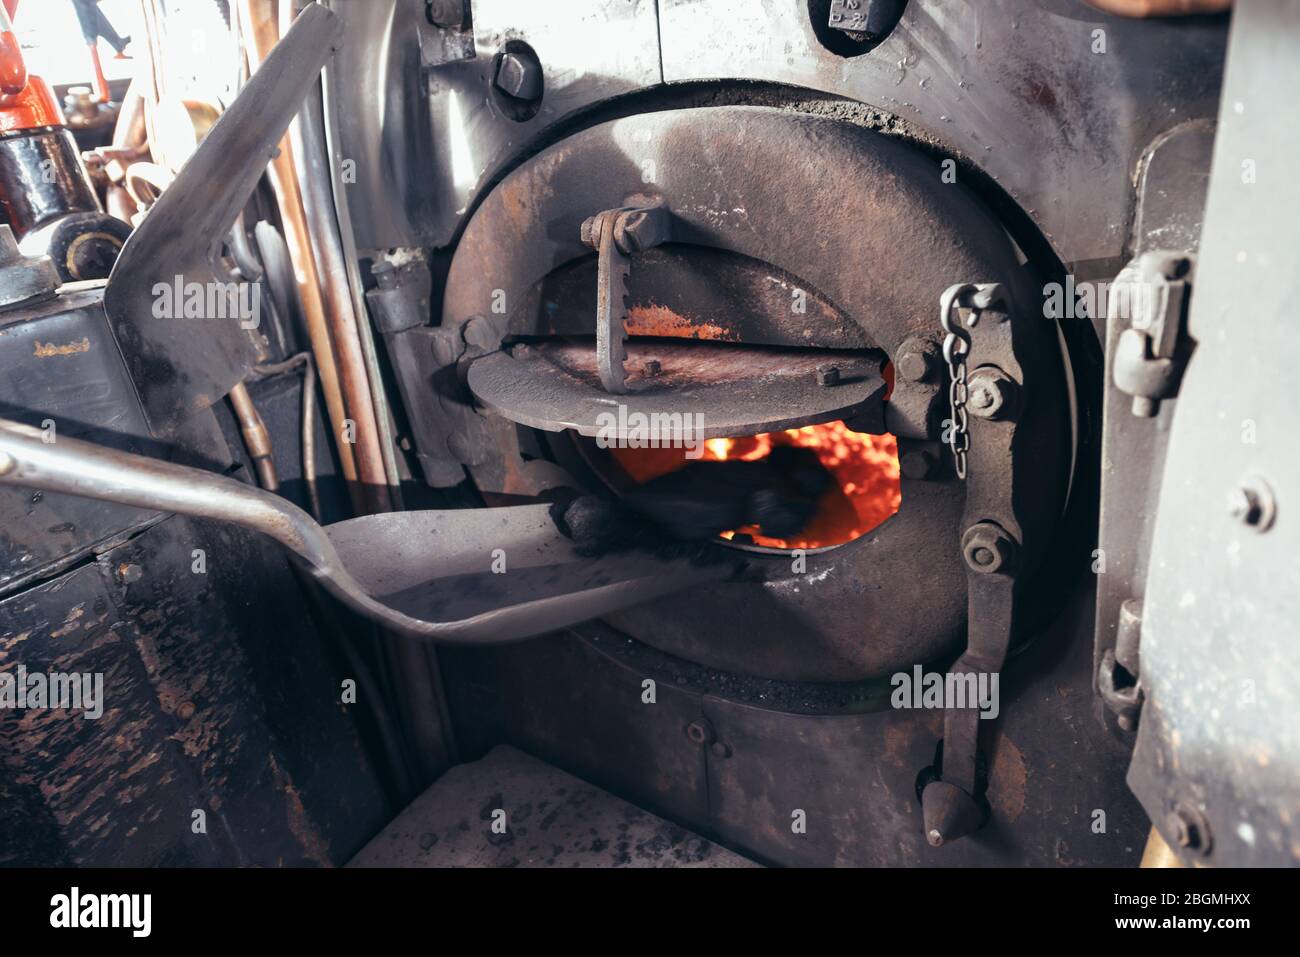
[{"x": 865, "y": 468}]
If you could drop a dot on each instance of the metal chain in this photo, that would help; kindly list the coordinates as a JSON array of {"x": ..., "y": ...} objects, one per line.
[{"x": 956, "y": 347}]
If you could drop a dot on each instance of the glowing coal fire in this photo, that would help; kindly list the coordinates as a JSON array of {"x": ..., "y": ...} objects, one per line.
[{"x": 865, "y": 468}]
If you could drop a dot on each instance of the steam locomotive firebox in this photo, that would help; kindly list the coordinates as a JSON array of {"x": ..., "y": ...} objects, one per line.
[{"x": 768, "y": 305}]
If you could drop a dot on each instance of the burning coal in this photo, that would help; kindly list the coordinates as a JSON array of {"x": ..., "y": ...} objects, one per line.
[{"x": 863, "y": 488}]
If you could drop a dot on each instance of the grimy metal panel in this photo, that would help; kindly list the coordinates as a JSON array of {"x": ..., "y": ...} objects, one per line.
[
  {"x": 589, "y": 53},
  {"x": 59, "y": 365},
  {"x": 1219, "y": 741},
  {"x": 1052, "y": 98}
]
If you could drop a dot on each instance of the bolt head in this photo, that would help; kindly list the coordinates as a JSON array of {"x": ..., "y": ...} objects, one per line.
[
  {"x": 639, "y": 230},
  {"x": 990, "y": 393},
  {"x": 916, "y": 464},
  {"x": 1252, "y": 504},
  {"x": 828, "y": 375},
  {"x": 988, "y": 549},
  {"x": 519, "y": 76},
  {"x": 449, "y": 14},
  {"x": 914, "y": 361},
  {"x": 1189, "y": 828},
  {"x": 912, "y": 366},
  {"x": 700, "y": 732}
]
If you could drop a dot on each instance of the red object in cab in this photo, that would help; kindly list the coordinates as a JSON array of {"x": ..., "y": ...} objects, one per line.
[{"x": 26, "y": 102}]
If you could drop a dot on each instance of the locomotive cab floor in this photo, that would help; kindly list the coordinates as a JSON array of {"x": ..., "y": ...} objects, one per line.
[{"x": 509, "y": 809}]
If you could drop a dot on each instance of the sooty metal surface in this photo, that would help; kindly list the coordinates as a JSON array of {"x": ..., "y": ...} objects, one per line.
[
  {"x": 455, "y": 564},
  {"x": 551, "y": 819},
  {"x": 707, "y": 389},
  {"x": 1219, "y": 738}
]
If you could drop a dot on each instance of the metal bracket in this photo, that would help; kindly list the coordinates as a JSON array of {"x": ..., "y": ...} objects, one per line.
[
  {"x": 1153, "y": 291},
  {"x": 1123, "y": 697}
]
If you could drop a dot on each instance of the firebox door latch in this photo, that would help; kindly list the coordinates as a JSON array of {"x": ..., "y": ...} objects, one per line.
[
  {"x": 985, "y": 396},
  {"x": 986, "y": 383},
  {"x": 616, "y": 234}
]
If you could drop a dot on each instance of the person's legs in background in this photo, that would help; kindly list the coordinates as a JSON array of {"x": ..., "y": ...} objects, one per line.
[
  {"x": 109, "y": 33},
  {"x": 95, "y": 25}
]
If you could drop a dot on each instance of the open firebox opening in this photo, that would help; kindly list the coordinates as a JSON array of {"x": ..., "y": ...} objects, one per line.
[{"x": 864, "y": 493}]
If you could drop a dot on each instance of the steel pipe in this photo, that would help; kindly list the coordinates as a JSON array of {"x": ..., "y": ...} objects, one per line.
[{"x": 263, "y": 33}]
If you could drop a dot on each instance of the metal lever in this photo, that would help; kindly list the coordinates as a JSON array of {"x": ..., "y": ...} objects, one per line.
[
  {"x": 391, "y": 553},
  {"x": 984, "y": 405},
  {"x": 616, "y": 234}
]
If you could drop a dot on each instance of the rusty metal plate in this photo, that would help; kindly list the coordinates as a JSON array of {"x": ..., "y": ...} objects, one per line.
[{"x": 700, "y": 390}]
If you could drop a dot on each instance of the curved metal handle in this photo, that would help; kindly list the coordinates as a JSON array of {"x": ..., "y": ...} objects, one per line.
[{"x": 75, "y": 467}]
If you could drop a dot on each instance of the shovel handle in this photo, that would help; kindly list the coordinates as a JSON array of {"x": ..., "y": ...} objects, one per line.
[
  {"x": 75, "y": 467},
  {"x": 35, "y": 458}
]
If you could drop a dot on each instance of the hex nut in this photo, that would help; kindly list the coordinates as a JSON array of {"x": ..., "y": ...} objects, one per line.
[
  {"x": 519, "y": 76},
  {"x": 987, "y": 548},
  {"x": 991, "y": 393},
  {"x": 700, "y": 732},
  {"x": 915, "y": 359},
  {"x": 828, "y": 375}
]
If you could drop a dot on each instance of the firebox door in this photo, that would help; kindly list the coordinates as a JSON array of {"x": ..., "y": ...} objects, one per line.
[{"x": 795, "y": 284}]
